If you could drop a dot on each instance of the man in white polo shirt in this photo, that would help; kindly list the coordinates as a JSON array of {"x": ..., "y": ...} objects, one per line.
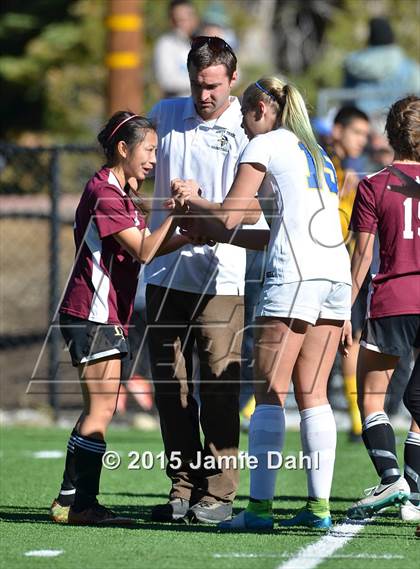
[{"x": 195, "y": 296}]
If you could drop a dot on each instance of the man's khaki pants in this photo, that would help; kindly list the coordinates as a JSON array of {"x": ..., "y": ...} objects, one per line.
[{"x": 176, "y": 321}]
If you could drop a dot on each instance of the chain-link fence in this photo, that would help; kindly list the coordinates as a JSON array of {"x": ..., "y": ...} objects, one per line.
[{"x": 39, "y": 191}]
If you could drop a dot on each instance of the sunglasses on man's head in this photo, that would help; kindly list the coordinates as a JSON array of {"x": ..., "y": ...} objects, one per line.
[{"x": 215, "y": 44}]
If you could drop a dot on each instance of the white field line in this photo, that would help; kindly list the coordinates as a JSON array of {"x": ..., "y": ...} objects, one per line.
[
  {"x": 44, "y": 553},
  {"x": 312, "y": 555},
  {"x": 47, "y": 454},
  {"x": 384, "y": 556}
]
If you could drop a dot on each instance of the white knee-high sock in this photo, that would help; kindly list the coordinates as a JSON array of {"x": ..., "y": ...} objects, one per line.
[
  {"x": 318, "y": 434},
  {"x": 266, "y": 434}
]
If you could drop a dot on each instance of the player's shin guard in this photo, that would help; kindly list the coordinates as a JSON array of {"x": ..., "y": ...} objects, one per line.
[
  {"x": 318, "y": 434},
  {"x": 88, "y": 453},
  {"x": 68, "y": 491},
  {"x": 412, "y": 464},
  {"x": 378, "y": 436},
  {"x": 266, "y": 435}
]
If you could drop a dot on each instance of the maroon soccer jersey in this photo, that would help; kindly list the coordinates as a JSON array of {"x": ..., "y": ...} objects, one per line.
[
  {"x": 103, "y": 283},
  {"x": 388, "y": 206}
]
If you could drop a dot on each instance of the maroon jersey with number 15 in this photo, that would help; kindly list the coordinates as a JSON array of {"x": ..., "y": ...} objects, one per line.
[
  {"x": 103, "y": 283},
  {"x": 389, "y": 206}
]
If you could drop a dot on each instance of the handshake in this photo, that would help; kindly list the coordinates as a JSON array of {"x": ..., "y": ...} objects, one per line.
[
  {"x": 182, "y": 192},
  {"x": 193, "y": 223}
]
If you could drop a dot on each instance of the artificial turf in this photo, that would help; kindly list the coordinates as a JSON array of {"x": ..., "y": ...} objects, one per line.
[{"x": 28, "y": 485}]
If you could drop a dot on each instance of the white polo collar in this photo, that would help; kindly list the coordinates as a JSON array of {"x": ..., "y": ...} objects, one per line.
[{"x": 225, "y": 119}]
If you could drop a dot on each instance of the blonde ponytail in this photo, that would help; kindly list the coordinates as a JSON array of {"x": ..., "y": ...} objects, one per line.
[
  {"x": 292, "y": 114},
  {"x": 295, "y": 118}
]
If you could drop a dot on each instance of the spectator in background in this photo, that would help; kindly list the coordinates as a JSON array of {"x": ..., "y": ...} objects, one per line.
[
  {"x": 212, "y": 30},
  {"x": 349, "y": 138},
  {"x": 217, "y": 23},
  {"x": 381, "y": 65},
  {"x": 171, "y": 50},
  {"x": 379, "y": 151}
]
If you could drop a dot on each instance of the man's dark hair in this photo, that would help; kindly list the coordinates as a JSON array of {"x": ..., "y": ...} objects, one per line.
[
  {"x": 348, "y": 114},
  {"x": 175, "y": 3},
  {"x": 212, "y": 51}
]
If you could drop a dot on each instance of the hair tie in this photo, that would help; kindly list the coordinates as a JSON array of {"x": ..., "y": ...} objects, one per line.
[{"x": 120, "y": 125}]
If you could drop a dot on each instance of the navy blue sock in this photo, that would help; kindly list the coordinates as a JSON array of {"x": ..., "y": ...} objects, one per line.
[{"x": 68, "y": 490}]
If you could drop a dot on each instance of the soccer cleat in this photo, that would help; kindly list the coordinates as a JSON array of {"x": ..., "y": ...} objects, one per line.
[
  {"x": 209, "y": 512},
  {"x": 308, "y": 519},
  {"x": 58, "y": 513},
  {"x": 380, "y": 497},
  {"x": 409, "y": 512},
  {"x": 97, "y": 515},
  {"x": 172, "y": 511},
  {"x": 247, "y": 521}
]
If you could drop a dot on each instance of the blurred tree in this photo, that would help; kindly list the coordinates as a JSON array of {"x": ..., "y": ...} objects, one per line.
[{"x": 51, "y": 73}]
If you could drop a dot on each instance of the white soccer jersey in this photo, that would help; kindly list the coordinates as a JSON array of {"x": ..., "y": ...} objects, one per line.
[
  {"x": 305, "y": 239},
  {"x": 208, "y": 152}
]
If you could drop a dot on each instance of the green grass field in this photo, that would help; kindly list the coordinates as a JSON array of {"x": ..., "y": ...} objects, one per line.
[{"x": 28, "y": 485}]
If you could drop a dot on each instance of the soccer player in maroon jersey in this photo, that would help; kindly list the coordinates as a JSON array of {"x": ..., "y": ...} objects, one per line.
[
  {"x": 387, "y": 204},
  {"x": 111, "y": 241}
]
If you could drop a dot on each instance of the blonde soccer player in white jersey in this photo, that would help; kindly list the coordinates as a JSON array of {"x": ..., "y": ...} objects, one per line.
[{"x": 305, "y": 298}]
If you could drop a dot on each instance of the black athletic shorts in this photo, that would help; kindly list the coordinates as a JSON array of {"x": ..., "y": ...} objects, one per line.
[
  {"x": 359, "y": 308},
  {"x": 393, "y": 335},
  {"x": 89, "y": 341}
]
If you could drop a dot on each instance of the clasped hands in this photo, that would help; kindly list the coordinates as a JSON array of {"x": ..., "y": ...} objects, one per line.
[{"x": 182, "y": 191}]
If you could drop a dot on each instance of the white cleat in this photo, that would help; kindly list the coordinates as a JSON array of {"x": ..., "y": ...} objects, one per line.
[
  {"x": 409, "y": 512},
  {"x": 379, "y": 497}
]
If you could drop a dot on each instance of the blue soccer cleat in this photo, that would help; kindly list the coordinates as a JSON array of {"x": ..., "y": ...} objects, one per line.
[
  {"x": 247, "y": 521},
  {"x": 306, "y": 518}
]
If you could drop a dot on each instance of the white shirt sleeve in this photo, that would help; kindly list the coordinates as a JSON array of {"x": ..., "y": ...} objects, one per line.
[{"x": 257, "y": 151}]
